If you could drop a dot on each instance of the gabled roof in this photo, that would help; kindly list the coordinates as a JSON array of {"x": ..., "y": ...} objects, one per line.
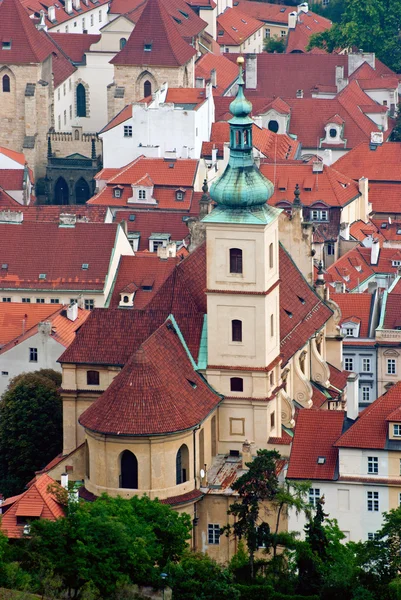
[
  {"x": 391, "y": 309},
  {"x": 264, "y": 11},
  {"x": 226, "y": 71},
  {"x": 148, "y": 222},
  {"x": 157, "y": 392},
  {"x": 37, "y": 501},
  {"x": 380, "y": 164},
  {"x": 28, "y": 45},
  {"x": 156, "y": 30},
  {"x": 315, "y": 434},
  {"x": 355, "y": 306},
  {"x": 302, "y": 312},
  {"x": 71, "y": 247},
  {"x": 307, "y": 24},
  {"x": 74, "y": 45},
  {"x": 18, "y": 317},
  {"x": 236, "y": 27},
  {"x": 18, "y": 157},
  {"x": 370, "y": 430}
]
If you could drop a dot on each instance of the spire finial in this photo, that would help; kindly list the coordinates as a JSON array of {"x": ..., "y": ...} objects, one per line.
[
  {"x": 297, "y": 193},
  {"x": 93, "y": 149},
  {"x": 205, "y": 187},
  {"x": 49, "y": 147},
  {"x": 320, "y": 275}
]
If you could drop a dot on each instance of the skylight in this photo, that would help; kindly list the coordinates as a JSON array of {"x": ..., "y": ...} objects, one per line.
[
  {"x": 85, "y": 266},
  {"x": 147, "y": 47},
  {"x": 321, "y": 460}
]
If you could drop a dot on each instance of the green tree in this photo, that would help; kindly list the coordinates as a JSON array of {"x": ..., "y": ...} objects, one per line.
[
  {"x": 372, "y": 25},
  {"x": 275, "y": 45},
  {"x": 30, "y": 428},
  {"x": 312, "y": 553},
  {"x": 259, "y": 484}
]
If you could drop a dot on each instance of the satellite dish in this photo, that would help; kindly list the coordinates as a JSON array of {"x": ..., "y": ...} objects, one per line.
[{"x": 202, "y": 473}]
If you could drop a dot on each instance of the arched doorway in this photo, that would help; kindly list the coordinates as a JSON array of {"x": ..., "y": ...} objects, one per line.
[
  {"x": 147, "y": 89},
  {"x": 61, "y": 191},
  {"x": 129, "y": 471},
  {"x": 82, "y": 191}
]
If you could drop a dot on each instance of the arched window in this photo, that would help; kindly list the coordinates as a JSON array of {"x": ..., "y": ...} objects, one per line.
[
  {"x": 128, "y": 471},
  {"x": 123, "y": 41},
  {"x": 147, "y": 89},
  {"x": 235, "y": 260},
  {"x": 76, "y": 135},
  {"x": 126, "y": 299},
  {"x": 92, "y": 377},
  {"x": 182, "y": 464},
  {"x": 236, "y": 384},
  {"x": 81, "y": 100},
  {"x": 6, "y": 83},
  {"x": 236, "y": 330},
  {"x": 273, "y": 125}
]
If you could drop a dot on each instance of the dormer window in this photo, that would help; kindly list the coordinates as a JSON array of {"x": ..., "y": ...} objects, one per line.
[
  {"x": 147, "y": 47},
  {"x": 396, "y": 430},
  {"x": 117, "y": 192},
  {"x": 319, "y": 215},
  {"x": 332, "y": 132},
  {"x": 179, "y": 195},
  {"x": 396, "y": 263},
  {"x": 6, "y": 45}
]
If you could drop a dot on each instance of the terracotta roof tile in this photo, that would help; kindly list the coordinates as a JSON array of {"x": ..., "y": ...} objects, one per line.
[
  {"x": 51, "y": 213},
  {"x": 184, "y": 498},
  {"x": 236, "y": 27},
  {"x": 155, "y": 29},
  {"x": 74, "y": 45},
  {"x": 316, "y": 432},
  {"x": 35, "y": 6},
  {"x": 18, "y": 157},
  {"x": 307, "y": 24},
  {"x": 18, "y": 317},
  {"x": 12, "y": 179},
  {"x": 157, "y": 392},
  {"x": 392, "y": 314},
  {"x": 379, "y": 165},
  {"x": 226, "y": 71},
  {"x": 355, "y": 304},
  {"x": 147, "y": 222}
]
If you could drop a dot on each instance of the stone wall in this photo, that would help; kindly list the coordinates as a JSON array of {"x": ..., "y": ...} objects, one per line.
[{"x": 65, "y": 143}]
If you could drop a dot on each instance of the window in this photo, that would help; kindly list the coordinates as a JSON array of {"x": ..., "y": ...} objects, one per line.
[
  {"x": 373, "y": 536},
  {"x": 33, "y": 355},
  {"x": 128, "y": 470},
  {"x": 391, "y": 366},
  {"x": 396, "y": 430},
  {"x": 213, "y": 533},
  {"x": 64, "y": 89},
  {"x": 349, "y": 331},
  {"x": 147, "y": 47},
  {"x": 75, "y": 23},
  {"x": 117, "y": 193},
  {"x": 236, "y": 330},
  {"x": 89, "y": 304},
  {"x": 127, "y": 130},
  {"x": 271, "y": 256},
  {"x": 65, "y": 117},
  {"x": 59, "y": 122},
  {"x": 330, "y": 249},
  {"x": 71, "y": 113},
  {"x": 100, "y": 16},
  {"x": 271, "y": 325},
  {"x": 272, "y": 420},
  {"x": 81, "y": 100},
  {"x": 373, "y": 465},
  {"x": 235, "y": 260},
  {"x": 92, "y": 377},
  {"x": 283, "y": 33},
  {"x": 236, "y": 384},
  {"x": 142, "y": 194},
  {"x": 314, "y": 496},
  {"x": 58, "y": 94},
  {"x": 27, "y": 300},
  {"x": 319, "y": 215},
  {"x": 396, "y": 263},
  {"x": 83, "y": 23},
  {"x": 373, "y": 501},
  {"x": 4, "y": 373},
  {"x": 273, "y": 125},
  {"x": 147, "y": 88},
  {"x": 348, "y": 364},
  {"x": 6, "y": 83},
  {"x": 400, "y": 466},
  {"x": 267, "y": 33},
  {"x": 6, "y": 45},
  {"x": 333, "y": 132},
  {"x": 366, "y": 365},
  {"x": 66, "y": 28},
  {"x": 182, "y": 464},
  {"x": 40, "y": 300},
  {"x": 365, "y": 393},
  {"x": 6, "y": 299},
  {"x": 54, "y": 301},
  {"x": 123, "y": 41},
  {"x": 91, "y": 20},
  {"x": 179, "y": 196}
]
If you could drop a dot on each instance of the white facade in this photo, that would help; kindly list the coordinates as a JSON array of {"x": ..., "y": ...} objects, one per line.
[
  {"x": 91, "y": 21},
  {"x": 252, "y": 45},
  {"x": 159, "y": 128}
]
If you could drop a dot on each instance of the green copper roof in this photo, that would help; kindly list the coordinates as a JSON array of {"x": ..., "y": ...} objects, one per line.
[
  {"x": 242, "y": 184},
  {"x": 251, "y": 215}
]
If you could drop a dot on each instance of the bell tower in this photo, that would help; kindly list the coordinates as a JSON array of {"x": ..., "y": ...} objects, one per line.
[{"x": 243, "y": 291}]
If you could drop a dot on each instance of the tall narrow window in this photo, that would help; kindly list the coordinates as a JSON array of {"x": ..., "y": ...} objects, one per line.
[
  {"x": 6, "y": 83},
  {"x": 235, "y": 260},
  {"x": 123, "y": 41},
  {"x": 236, "y": 330},
  {"x": 81, "y": 100},
  {"x": 272, "y": 325},
  {"x": 147, "y": 89},
  {"x": 182, "y": 464},
  {"x": 271, "y": 257},
  {"x": 129, "y": 471}
]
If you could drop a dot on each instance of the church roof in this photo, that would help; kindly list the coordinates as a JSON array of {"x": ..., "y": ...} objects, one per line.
[
  {"x": 22, "y": 43},
  {"x": 155, "y": 41}
]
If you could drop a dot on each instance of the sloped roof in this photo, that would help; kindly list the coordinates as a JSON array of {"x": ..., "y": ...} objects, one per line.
[
  {"x": 226, "y": 71},
  {"x": 236, "y": 27},
  {"x": 264, "y": 11},
  {"x": 307, "y": 24},
  {"x": 385, "y": 197},
  {"x": 302, "y": 312},
  {"x": 370, "y": 430},
  {"x": 380, "y": 165},
  {"x": 392, "y": 312},
  {"x": 352, "y": 305},
  {"x": 51, "y": 213},
  {"x": 17, "y": 317},
  {"x": 28, "y": 45},
  {"x": 18, "y": 157},
  {"x": 315, "y": 434},
  {"x": 157, "y": 392},
  {"x": 35, "y": 502},
  {"x": 74, "y": 45},
  {"x": 148, "y": 222},
  {"x": 155, "y": 28},
  {"x": 71, "y": 247},
  {"x": 35, "y": 6}
]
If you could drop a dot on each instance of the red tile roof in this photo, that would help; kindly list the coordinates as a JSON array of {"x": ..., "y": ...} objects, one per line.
[
  {"x": 157, "y": 392},
  {"x": 377, "y": 165},
  {"x": 316, "y": 432},
  {"x": 37, "y": 501},
  {"x": 392, "y": 314},
  {"x": 12, "y": 179},
  {"x": 155, "y": 28},
  {"x": 51, "y": 213},
  {"x": 136, "y": 270},
  {"x": 338, "y": 379},
  {"x": 391, "y": 231},
  {"x": 71, "y": 247},
  {"x": 226, "y": 71},
  {"x": 385, "y": 197},
  {"x": 183, "y": 498},
  {"x": 330, "y": 186},
  {"x": 302, "y": 312},
  {"x": 361, "y": 230},
  {"x": 28, "y": 45},
  {"x": 18, "y": 317},
  {"x": 154, "y": 221},
  {"x": 61, "y": 64},
  {"x": 236, "y": 27},
  {"x": 355, "y": 305},
  {"x": 318, "y": 398},
  {"x": 6, "y": 201},
  {"x": 307, "y": 24},
  {"x": 270, "y": 13},
  {"x": 18, "y": 157},
  {"x": 370, "y": 430},
  {"x": 123, "y": 115},
  {"x": 74, "y": 45}
]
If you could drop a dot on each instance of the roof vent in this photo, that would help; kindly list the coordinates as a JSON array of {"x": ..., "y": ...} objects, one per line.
[
  {"x": 321, "y": 460},
  {"x": 288, "y": 313},
  {"x": 192, "y": 384},
  {"x": 85, "y": 266},
  {"x": 42, "y": 276}
]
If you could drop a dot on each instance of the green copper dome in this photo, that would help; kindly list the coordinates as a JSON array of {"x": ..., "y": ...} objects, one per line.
[{"x": 242, "y": 184}]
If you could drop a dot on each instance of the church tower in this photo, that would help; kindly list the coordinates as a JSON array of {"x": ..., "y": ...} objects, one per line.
[{"x": 243, "y": 292}]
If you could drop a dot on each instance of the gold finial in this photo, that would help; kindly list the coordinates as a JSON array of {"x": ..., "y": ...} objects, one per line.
[{"x": 240, "y": 60}]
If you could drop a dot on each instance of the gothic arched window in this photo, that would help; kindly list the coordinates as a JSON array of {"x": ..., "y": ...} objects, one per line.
[
  {"x": 123, "y": 41},
  {"x": 81, "y": 100},
  {"x": 6, "y": 83},
  {"x": 147, "y": 88}
]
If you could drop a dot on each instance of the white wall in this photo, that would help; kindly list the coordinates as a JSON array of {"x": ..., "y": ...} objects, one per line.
[
  {"x": 98, "y": 73},
  {"x": 122, "y": 247},
  {"x": 64, "y": 101},
  {"x": 253, "y": 44},
  {"x": 92, "y": 21},
  {"x": 391, "y": 96}
]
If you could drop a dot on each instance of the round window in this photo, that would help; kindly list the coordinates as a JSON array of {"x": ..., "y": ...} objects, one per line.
[
  {"x": 273, "y": 126},
  {"x": 333, "y": 132}
]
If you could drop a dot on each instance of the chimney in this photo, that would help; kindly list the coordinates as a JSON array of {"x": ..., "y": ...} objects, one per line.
[
  {"x": 292, "y": 19},
  {"x": 72, "y": 311},
  {"x": 246, "y": 454},
  {"x": 352, "y": 396},
  {"x": 251, "y": 71},
  {"x": 374, "y": 254},
  {"x": 51, "y": 13},
  {"x": 213, "y": 77},
  {"x": 68, "y": 7},
  {"x": 341, "y": 82},
  {"x": 376, "y": 139},
  {"x": 81, "y": 301},
  {"x": 76, "y": 4},
  {"x": 45, "y": 328},
  {"x": 42, "y": 25},
  {"x": 199, "y": 82},
  {"x": 339, "y": 287},
  {"x": 67, "y": 220},
  {"x": 303, "y": 7},
  {"x": 317, "y": 166},
  {"x": 214, "y": 156},
  {"x": 64, "y": 480},
  {"x": 167, "y": 251}
]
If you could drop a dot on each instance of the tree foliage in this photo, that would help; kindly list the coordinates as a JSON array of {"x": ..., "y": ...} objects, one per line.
[
  {"x": 30, "y": 428},
  {"x": 275, "y": 45}
]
